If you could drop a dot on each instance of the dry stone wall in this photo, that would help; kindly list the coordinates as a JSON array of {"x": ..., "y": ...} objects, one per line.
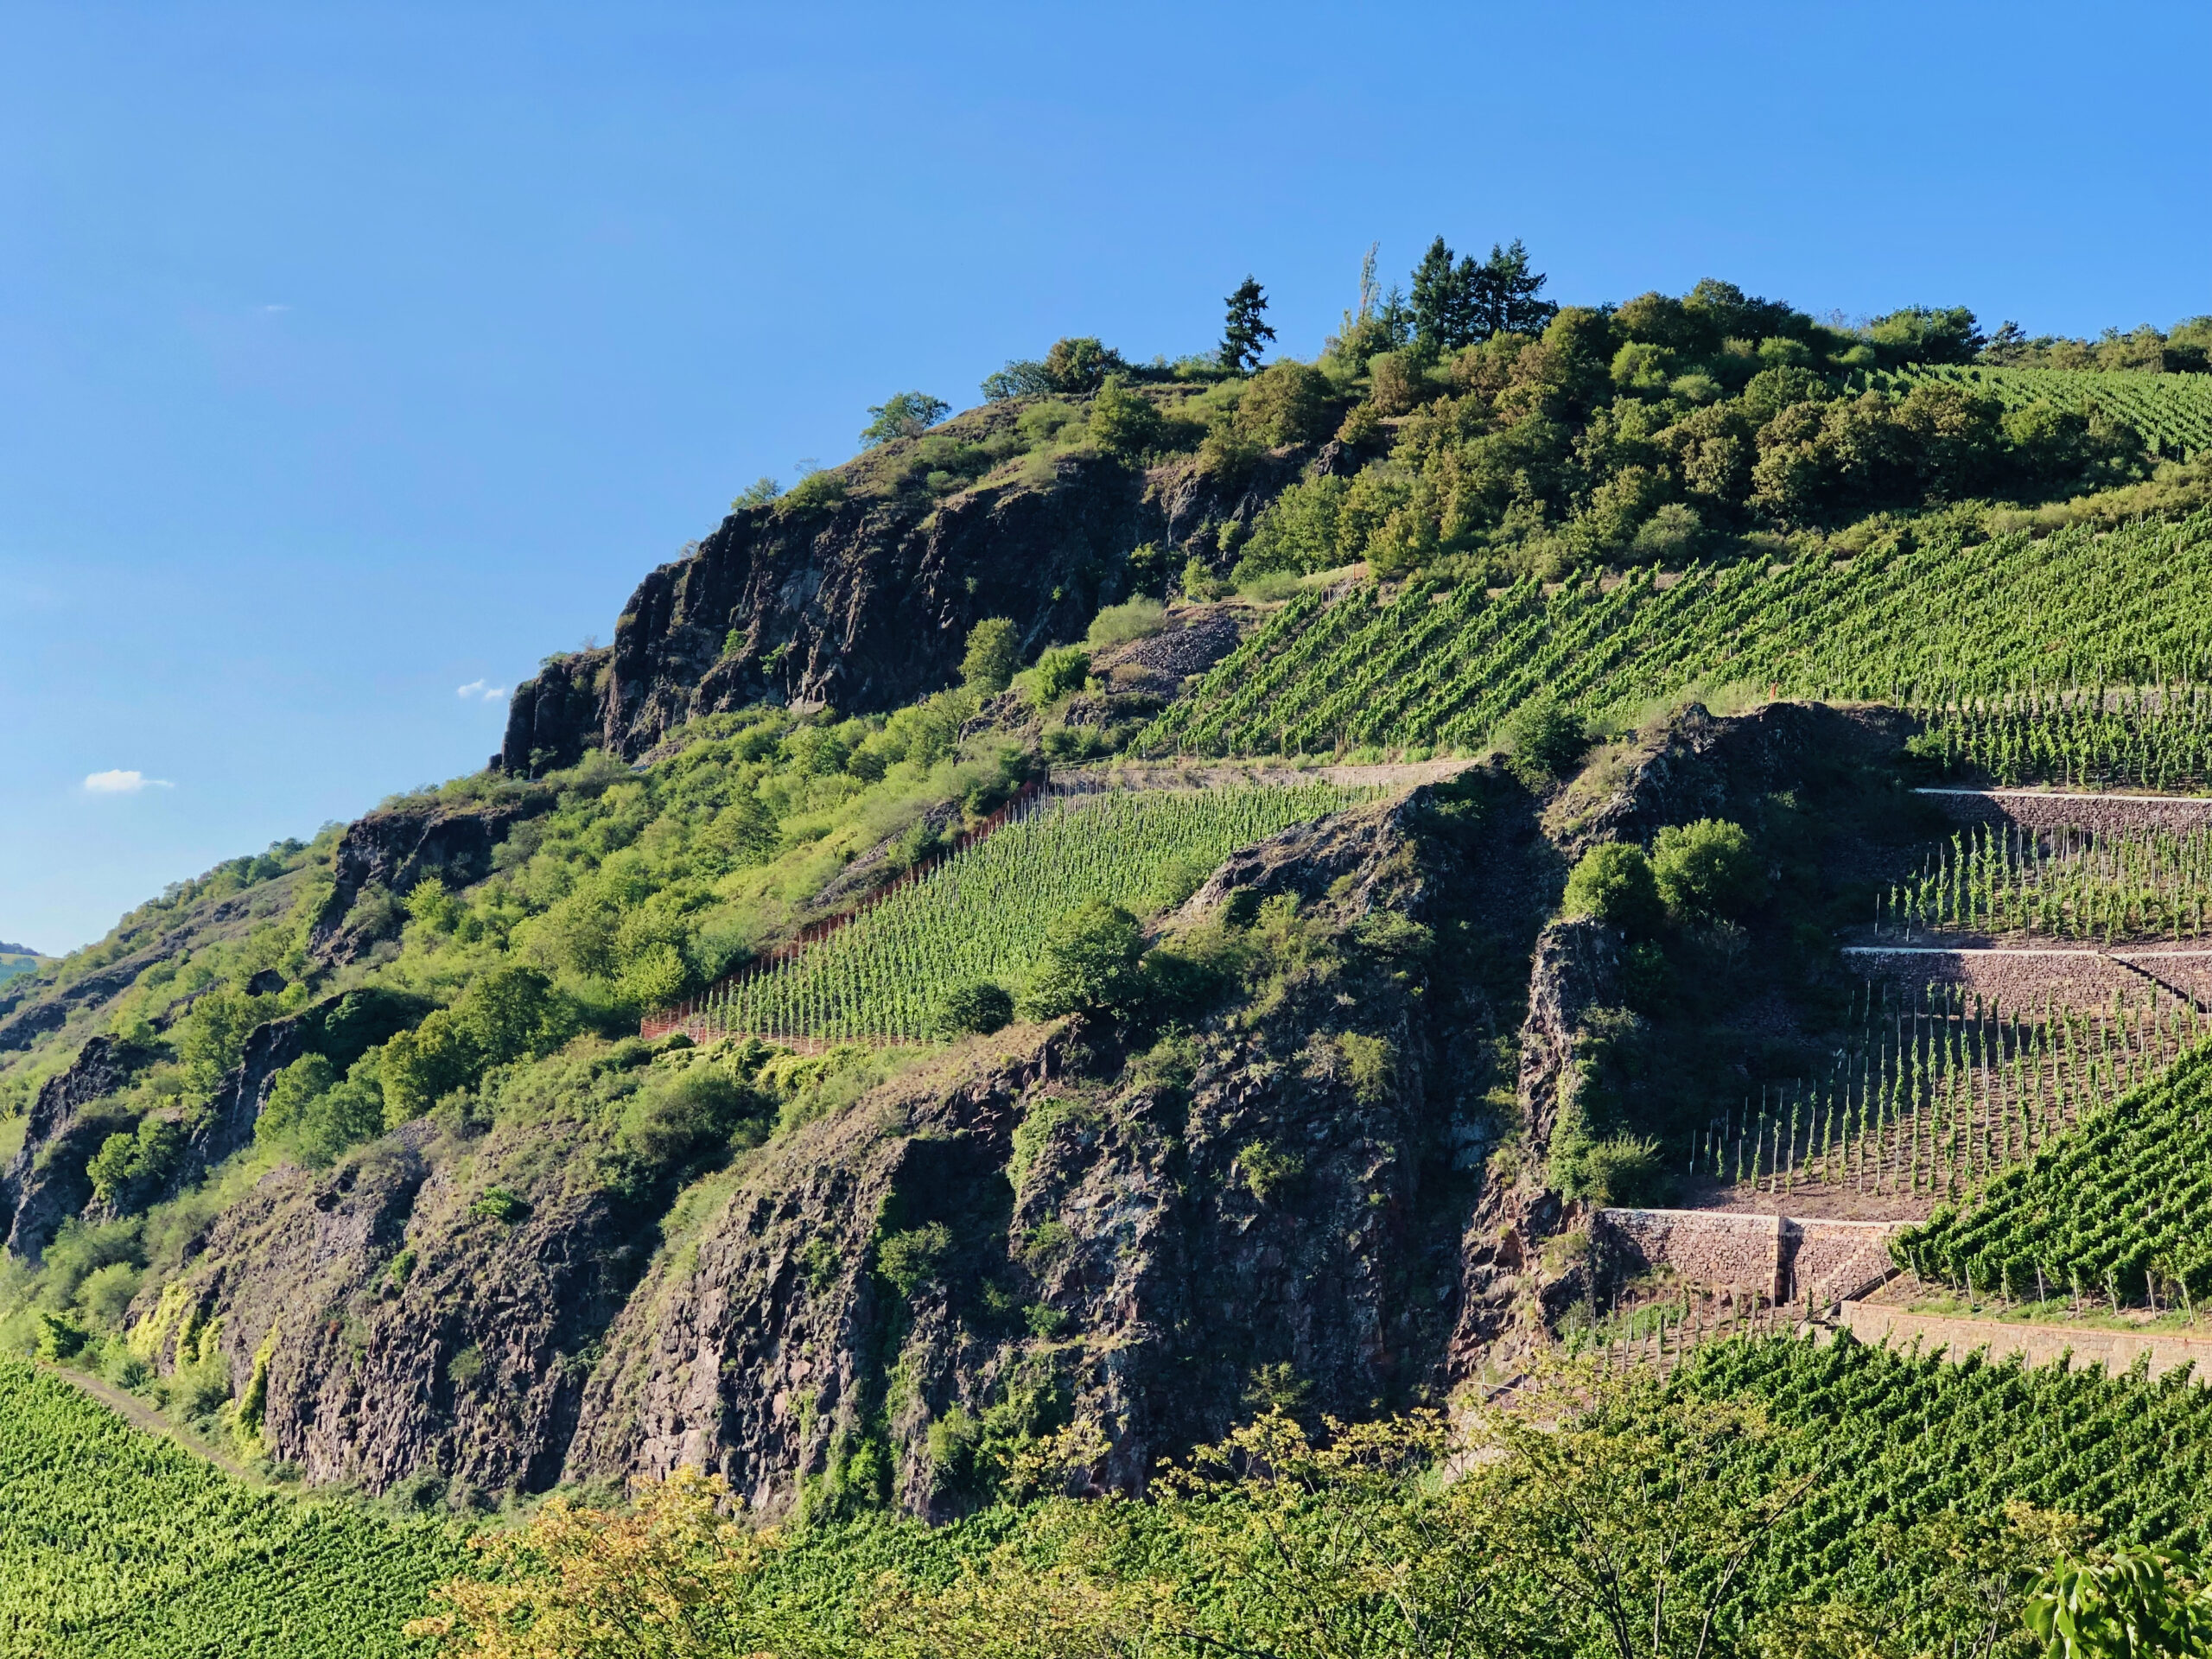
[
  {"x": 2042, "y": 809},
  {"x": 2019, "y": 977},
  {"x": 1778, "y": 1258}
]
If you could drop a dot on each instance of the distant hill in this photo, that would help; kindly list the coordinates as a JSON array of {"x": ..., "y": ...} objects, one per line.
[{"x": 7, "y": 950}]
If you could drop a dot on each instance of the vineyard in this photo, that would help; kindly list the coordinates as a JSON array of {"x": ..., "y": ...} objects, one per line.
[
  {"x": 2157, "y": 738},
  {"x": 1904, "y": 1438},
  {"x": 113, "y": 1542},
  {"x": 1935, "y": 1094},
  {"x": 982, "y": 914},
  {"x": 2061, "y": 883},
  {"x": 2113, "y": 1212},
  {"x": 1439, "y": 666},
  {"x": 2172, "y": 412}
]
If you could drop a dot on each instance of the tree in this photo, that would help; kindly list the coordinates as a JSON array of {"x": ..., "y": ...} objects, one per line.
[
  {"x": 1091, "y": 964},
  {"x": 904, "y": 415},
  {"x": 1246, "y": 332},
  {"x": 1081, "y": 363},
  {"x": 1505, "y": 300},
  {"x": 1020, "y": 377},
  {"x": 1444, "y": 301},
  {"x": 1544, "y": 739},
  {"x": 1706, "y": 871},
  {"x": 977, "y": 1006},
  {"x": 1287, "y": 402},
  {"x": 994, "y": 648},
  {"x": 1613, "y": 883},
  {"x": 1919, "y": 333}
]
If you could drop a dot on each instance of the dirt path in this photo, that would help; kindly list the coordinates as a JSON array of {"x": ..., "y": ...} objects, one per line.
[{"x": 139, "y": 1414}]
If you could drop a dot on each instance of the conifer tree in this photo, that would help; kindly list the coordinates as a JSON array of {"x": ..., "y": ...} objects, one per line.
[{"x": 1245, "y": 332}]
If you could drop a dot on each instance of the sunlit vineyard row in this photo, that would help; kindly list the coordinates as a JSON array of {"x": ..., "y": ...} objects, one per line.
[
  {"x": 2134, "y": 737},
  {"x": 2113, "y": 1212},
  {"x": 1938, "y": 1092},
  {"x": 115, "y": 1543},
  {"x": 2061, "y": 884},
  {"x": 2171, "y": 412},
  {"x": 1439, "y": 666},
  {"x": 982, "y": 914}
]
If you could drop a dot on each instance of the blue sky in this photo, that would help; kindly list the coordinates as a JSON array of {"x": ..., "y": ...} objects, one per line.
[{"x": 350, "y": 355}]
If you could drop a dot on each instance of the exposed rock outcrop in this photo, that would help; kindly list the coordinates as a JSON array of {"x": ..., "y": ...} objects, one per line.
[
  {"x": 397, "y": 849},
  {"x": 45, "y": 1183},
  {"x": 863, "y": 602}
]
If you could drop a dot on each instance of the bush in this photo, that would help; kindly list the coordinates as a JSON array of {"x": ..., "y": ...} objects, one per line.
[
  {"x": 675, "y": 1120},
  {"x": 1397, "y": 382},
  {"x": 1287, "y": 402},
  {"x": 1091, "y": 962},
  {"x": 1081, "y": 364},
  {"x": 994, "y": 648},
  {"x": 1613, "y": 883},
  {"x": 1706, "y": 871},
  {"x": 1122, "y": 422},
  {"x": 1543, "y": 739},
  {"x": 911, "y": 1259},
  {"x": 979, "y": 1008},
  {"x": 1119, "y": 624},
  {"x": 1060, "y": 671},
  {"x": 1619, "y": 1170}
]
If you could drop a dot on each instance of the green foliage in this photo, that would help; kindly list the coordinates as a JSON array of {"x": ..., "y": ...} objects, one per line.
[
  {"x": 1117, "y": 625},
  {"x": 116, "y": 1543},
  {"x": 910, "y": 1261},
  {"x": 994, "y": 650},
  {"x": 1089, "y": 963},
  {"x": 1287, "y": 403},
  {"x": 130, "y": 1164},
  {"x": 1543, "y": 739},
  {"x": 904, "y": 414},
  {"x": 682, "y": 1119},
  {"x": 1709, "y": 870},
  {"x": 1613, "y": 883},
  {"x": 2130, "y": 1605},
  {"x": 761, "y": 493},
  {"x": 978, "y": 1008},
  {"x": 497, "y": 1204},
  {"x": 1061, "y": 671},
  {"x": 1121, "y": 421}
]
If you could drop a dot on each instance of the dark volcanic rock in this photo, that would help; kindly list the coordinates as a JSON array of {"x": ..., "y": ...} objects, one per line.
[
  {"x": 46, "y": 1183},
  {"x": 397, "y": 849},
  {"x": 865, "y": 604}
]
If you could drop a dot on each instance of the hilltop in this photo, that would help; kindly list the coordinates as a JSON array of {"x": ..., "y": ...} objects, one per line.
[{"x": 1191, "y": 891}]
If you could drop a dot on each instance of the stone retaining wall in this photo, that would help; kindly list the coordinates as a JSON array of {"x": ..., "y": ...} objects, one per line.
[
  {"x": 2036, "y": 1344},
  {"x": 1779, "y": 1258},
  {"x": 2021, "y": 976},
  {"x": 2042, "y": 809}
]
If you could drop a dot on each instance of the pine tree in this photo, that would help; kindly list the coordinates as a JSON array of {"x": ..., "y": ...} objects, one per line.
[
  {"x": 1444, "y": 301},
  {"x": 1505, "y": 290},
  {"x": 1246, "y": 332}
]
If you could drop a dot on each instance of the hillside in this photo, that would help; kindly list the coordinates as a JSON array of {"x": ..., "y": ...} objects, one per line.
[{"x": 1181, "y": 899}]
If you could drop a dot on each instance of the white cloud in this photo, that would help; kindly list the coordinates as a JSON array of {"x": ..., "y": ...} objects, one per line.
[
  {"x": 119, "y": 782},
  {"x": 483, "y": 689}
]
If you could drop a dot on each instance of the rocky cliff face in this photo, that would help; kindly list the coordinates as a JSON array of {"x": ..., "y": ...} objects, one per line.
[
  {"x": 45, "y": 1183},
  {"x": 864, "y": 603},
  {"x": 1142, "y": 1234}
]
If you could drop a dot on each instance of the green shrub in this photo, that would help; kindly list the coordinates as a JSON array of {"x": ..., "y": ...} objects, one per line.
[
  {"x": 1543, "y": 739},
  {"x": 1613, "y": 883},
  {"x": 911, "y": 1259},
  {"x": 1121, "y": 421},
  {"x": 1117, "y": 625},
  {"x": 1287, "y": 403},
  {"x": 1091, "y": 963},
  {"x": 678, "y": 1119},
  {"x": 904, "y": 415},
  {"x": 1706, "y": 871},
  {"x": 981, "y": 1007},
  {"x": 1060, "y": 671},
  {"x": 1618, "y": 1170},
  {"x": 993, "y": 649},
  {"x": 497, "y": 1203}
]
